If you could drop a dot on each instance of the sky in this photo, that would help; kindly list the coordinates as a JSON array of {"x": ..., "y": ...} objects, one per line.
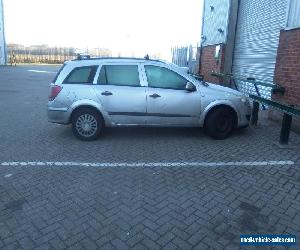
[{"x": 128, "y": 27}]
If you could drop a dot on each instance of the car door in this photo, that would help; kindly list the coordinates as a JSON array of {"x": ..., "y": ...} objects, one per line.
[
  {"x": 121, "y": 94},
  {"x": 168, "y": 102}
]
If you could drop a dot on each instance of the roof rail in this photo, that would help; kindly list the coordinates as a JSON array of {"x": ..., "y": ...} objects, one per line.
[
  {"x": 88, "y": 57},
  {"x": 83, "y": 56}
]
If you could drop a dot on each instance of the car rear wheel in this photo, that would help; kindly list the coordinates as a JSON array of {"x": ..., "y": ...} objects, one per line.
[
  {"x": 87, "y": 124},
  {"x": 220, "y": 123}
]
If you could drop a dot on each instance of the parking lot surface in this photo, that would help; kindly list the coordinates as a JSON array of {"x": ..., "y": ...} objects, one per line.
[{"x": 136, "y": 188}]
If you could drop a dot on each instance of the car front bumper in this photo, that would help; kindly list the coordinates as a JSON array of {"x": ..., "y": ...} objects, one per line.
[{"x": 245, "y": 114}]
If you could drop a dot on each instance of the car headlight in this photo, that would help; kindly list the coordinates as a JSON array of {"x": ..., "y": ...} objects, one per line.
[{"x": 243, "y": 99}]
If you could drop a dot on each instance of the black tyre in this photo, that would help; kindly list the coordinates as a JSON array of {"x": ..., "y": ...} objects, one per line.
[
  {"x": 87, "y": 124},
  {"x": 220, "y": 123}
]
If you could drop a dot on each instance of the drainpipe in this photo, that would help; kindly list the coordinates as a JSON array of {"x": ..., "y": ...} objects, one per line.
[
  {"x": 201, "y": 39},
  {"x": 4, "y": 43},
  {"x": 231, "y": 35}
]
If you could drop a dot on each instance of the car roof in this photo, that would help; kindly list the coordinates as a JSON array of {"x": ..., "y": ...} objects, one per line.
[
  {"x": 115, "y": 58},
  {"x": 100, "y": 60}
]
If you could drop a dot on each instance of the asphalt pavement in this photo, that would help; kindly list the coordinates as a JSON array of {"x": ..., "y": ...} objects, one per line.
[{"x": 136, "y": 188}]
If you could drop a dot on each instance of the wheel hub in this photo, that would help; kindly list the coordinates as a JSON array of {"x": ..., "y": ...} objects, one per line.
[{"x": 86, "y": 125}]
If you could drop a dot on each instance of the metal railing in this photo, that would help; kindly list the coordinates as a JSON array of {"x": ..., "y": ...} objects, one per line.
[
  {"x": 276, "y": 89},
  {"x": 288, "y": 110}
]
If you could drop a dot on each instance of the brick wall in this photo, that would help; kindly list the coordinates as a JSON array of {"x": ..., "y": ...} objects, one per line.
[
  {"x": 287, "y": 70},
  {"x": 208, "y": 63}
]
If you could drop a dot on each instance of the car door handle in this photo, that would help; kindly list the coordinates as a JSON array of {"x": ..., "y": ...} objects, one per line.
[
  {"x": 155, "y": 95},
  {"x": 106, "y": 93}
]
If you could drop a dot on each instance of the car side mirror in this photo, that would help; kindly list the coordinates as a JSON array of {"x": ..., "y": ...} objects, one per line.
[{"x": 190, "y": 87}]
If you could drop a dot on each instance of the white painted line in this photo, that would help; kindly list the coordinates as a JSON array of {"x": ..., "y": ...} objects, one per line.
[
  {"x": 41, "y": 71},
  {"x": 148, "y": 164}
]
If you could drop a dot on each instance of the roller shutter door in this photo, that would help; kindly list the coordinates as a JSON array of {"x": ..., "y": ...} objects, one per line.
[{"x": 257, "y": 37}]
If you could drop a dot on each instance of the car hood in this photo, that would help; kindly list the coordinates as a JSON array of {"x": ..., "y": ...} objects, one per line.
[{"x": 223, "y": 90}]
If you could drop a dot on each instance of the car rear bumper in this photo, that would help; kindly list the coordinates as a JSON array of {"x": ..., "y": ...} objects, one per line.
[{"x": 58, "y": 115}]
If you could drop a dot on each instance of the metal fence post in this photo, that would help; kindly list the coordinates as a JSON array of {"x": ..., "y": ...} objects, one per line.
[
  {"x": 254, "y": 115},
  {"x": 190, "y": 58},
  {"x": 285, "y": 128}
]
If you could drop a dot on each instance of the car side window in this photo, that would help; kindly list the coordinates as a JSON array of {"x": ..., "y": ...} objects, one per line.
[
  {"x": 84, "y": 74},
  {"x": 122, "y": 75},
  {"x": 159, "y": 77}
]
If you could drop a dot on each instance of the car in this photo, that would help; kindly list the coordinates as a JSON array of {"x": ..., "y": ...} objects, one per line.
[{"x": 94, "y": 93}]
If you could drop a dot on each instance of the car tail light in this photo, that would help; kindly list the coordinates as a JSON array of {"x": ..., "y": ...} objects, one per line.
[{"x": 54, "y": 91}]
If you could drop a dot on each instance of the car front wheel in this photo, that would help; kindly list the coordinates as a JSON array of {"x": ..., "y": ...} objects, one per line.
[
  {"x": 87, "y": 124},
  {"x": 220, "y": 123}
]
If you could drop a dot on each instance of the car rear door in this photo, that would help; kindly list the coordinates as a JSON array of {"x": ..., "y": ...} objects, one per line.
[
  {"x": 168, "y": 103},
  {"x": 121, "y": 92}
]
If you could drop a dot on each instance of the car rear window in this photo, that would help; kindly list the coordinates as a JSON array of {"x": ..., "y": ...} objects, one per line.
[
  {"x": 81, "y": 75},
  {"x": 60, "y": 70}
]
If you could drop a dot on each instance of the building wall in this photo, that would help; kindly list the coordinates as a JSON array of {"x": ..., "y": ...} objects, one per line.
[
  {"x": 214, "y": 33},
  {"x": 208, "y": 62},
  {"x": 2, "y": 40},
  {"x": 287, "y": 70},
  {"x": 266, "y": 33},
  {"x": 287, "y": 73},
  {"x": 215, "y": 17},
  {"x": 294, "y": 14}
]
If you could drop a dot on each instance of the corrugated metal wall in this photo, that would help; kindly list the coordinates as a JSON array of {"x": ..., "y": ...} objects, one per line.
[
  {"x": 294, "y": 14},
  {"x": 2, "y": 40},
  {"x": 215, "y": 17},
  {"x": 257, "y": 37}
]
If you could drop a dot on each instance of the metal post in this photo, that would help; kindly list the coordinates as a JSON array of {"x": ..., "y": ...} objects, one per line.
[
  {"x": 254, "y": 115},
  {"x": 252, "y": 79},
  {"x": 285, "y": 128},
  {"x": 235, "y": 85}
]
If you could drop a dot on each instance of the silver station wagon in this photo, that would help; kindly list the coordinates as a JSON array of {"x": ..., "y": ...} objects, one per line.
[{"x": 95, "y": 93}]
